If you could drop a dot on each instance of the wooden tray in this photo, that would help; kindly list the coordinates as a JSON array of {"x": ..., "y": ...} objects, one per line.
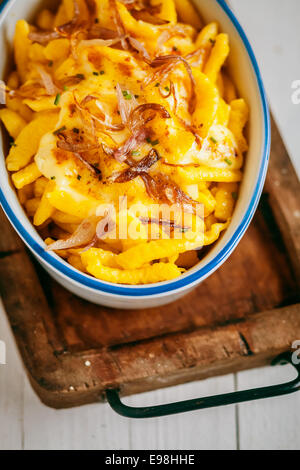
[{"x": 239, "y": 318}]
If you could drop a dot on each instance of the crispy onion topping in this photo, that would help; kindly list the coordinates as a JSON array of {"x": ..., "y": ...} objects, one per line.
[
  {"x": 47, "y": 81},
  {"x": 163, "y": 189},
  {"x": 148, "y": 17},
  {"x": 138, "y": 46},
  {"x": 125, "y": 106},
  {"x": 136, "y": 169},
  {"x": 75, "y": 143},
  {"x": 91, "y": 120},
  {"x": 118, "y": 23},
  {"x": 138, "y": 137},
  {"x": 136, "y": 123},
  {"x": 66, "y": 30},
  {"x": 138, "y": 118},
  {"x": 98, "y": 42},
  {"x": 105, "y": 226},
  {"x": 72, "y": 26},
  {"x": 43, "y": 37},
  {"x": 175, "y": 59},
  {"x": 98, "y": 32},
  {"x": 165, "y": 223},
  {"x": 72, "y": 80},
  {"x": 82, "y": 236},
  {"x": 196, "y": 57}
]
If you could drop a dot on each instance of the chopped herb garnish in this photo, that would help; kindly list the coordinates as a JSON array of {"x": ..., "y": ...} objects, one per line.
[
  {"x": 13, "y": 144},
  {"x": 234, "y": 195},
  {"x": 96, "y": 73},
  {"x": 213, "y": 41},
  {"x": 80, "y": 76},
  {"x": 157, "y": 85},
  {"x": 127, "y": 95},
  {"x": 152, "y": 142},
  {"x": 57, "y": 99},
  {"x": 61, "y": 129},
  {"x": 135, "y": 153},
  {"x": 229, "y": 162},
  {"x": 136, "y": 96},
  {"x": 66, "y": 88},
  {"x": 79, "y": 177},
  {"x": 76, "y": 130},
  {"x": 167, "y": 88},
  {"x": 52, "y": 178},
  {"x": 175, "y": 48},
  {"x": 102, "y": 72},
  {"x": 50, "y": 63},
  {"x": 213, "y": 140}
]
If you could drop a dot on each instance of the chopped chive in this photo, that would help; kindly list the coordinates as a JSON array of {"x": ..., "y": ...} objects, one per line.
[
  {"x": 13, "y": 144},
  {"x": 234, "y": 195},
  {"x": 76, "y": 130},
  {"x": 152, "y": 142},
  {"x": 175, "y": 48},
  {"x": 167, "y": 88},
  {"x": 157, "y": 85},
  {"x": 96, "y": 73},
  {"x": 102, "y": 72},
  {"x": 212, "y": 41},
  {"x": 61, "y": 129},
  {"x": 66, "y": 88},
  {"x": 127, "y": 95},
  {"x": 136, "y": 96},
  {"x": 79, "y": 177},
  {"x": 229, "y": 162},
  {"x": 135, "y": 153},
  {"x": 80, "y": 76},
  {"x": 57, "y": 99},
  {"x": 52, "y": 178},
  {"x": 213, "y": 140}
]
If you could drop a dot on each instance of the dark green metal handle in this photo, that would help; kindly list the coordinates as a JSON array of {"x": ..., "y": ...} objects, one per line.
[{"x": 113, "y": 397}]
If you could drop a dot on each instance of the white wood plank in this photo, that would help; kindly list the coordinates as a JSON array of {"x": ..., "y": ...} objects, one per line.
[
  {"x": 98, "y": 427},
  {"x": 207, "y": 429},
  {"x": 269, "y": 424},
  {"x": 90, "y": 427},
  {"x": 11, "y": 391},
  {"x": 272, "y": 27}
]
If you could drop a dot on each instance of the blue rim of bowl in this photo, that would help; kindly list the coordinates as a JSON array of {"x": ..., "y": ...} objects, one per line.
[{"x": 179, "y": 283}]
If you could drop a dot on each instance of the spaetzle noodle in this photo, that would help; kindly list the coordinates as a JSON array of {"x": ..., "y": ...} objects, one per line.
[{"x": 128, "y": 135}]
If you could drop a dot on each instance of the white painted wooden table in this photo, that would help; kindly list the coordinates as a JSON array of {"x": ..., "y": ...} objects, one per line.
[{"x": 25, "y": 423}]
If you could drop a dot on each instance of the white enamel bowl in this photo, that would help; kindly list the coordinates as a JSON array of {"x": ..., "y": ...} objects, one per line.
[{"x": 246, "y": 73}]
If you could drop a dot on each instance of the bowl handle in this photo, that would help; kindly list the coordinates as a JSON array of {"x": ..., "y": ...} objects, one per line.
[{"x": 113, "y": 397}]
